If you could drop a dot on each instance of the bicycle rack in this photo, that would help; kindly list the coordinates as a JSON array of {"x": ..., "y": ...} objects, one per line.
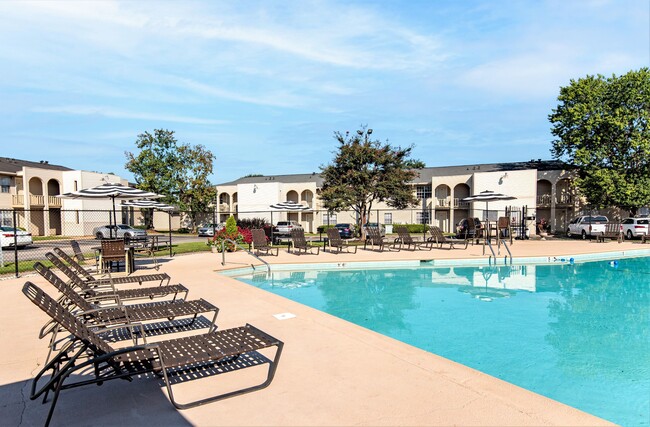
[{"x": 223, "y": 254}]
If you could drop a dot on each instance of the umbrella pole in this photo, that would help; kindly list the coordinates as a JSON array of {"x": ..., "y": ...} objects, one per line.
[
  {"x": 114, "y": 219},
  {"x": 170, "y": 234}
]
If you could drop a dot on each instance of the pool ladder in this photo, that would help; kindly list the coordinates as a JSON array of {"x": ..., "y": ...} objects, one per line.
[
  {"x": 223, "y": 254},
  {"x": 499, "y": 243}
]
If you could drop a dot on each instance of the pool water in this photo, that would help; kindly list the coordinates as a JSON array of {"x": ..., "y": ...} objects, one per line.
[{"x": 577, "y": 333}]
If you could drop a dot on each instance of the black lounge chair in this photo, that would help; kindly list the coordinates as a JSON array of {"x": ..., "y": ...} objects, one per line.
[
  {"x": 374, "y": 238},
  {"x": 299, "y": 242},
  {"x": 101, "y": 291},
  {"x": 227, "y": 350},
  {"x": 440, "y": 239},
  {"x": 334, "y": 241},
  {"x": 405, "y": 239},
  {"x": 73, "y": 266},
  {"x": 79, "y": 255},
  {"x": 261, "y": 243}
]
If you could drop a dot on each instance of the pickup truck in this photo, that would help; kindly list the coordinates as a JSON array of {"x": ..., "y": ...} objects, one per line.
[{"x": 584, "y": 226}]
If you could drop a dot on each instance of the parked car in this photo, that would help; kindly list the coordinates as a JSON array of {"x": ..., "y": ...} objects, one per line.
[
  {"x": 635, "y": 227},
  {"x": 283, "y": 228},
  {"x": 462, "y": 228},
  {"x": 346, "y": 230},
  {"x": 208, "y": 229},
  {"x": 587, "y": 225},
  {"x": 382, "y": 228},
  {"x": 119, "y": 232},
  {"x": 21, "y": 239}
]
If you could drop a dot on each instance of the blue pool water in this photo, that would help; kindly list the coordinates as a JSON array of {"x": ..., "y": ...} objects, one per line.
[{"x": 577, "y": 333}]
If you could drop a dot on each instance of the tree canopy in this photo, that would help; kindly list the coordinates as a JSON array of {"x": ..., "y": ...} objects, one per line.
[
  {"x": 364, "y": 171},
  {"x": 601, "y": 125},
  {"x": 178, "y": 171}
]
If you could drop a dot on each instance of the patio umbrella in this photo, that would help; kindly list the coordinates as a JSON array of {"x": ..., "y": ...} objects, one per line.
[
  {"x": 487, "y": 196},
  {"x": 288, "y": 206},
  {"x": 112, "y": 191}
]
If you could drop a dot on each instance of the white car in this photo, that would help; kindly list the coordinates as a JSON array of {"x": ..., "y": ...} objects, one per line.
[
  {"x": 7, "y": 239},
  {"x": 119, "y": 232},
  {"x": 208, "y": 229},
  {"x": 635, "y": 227}
]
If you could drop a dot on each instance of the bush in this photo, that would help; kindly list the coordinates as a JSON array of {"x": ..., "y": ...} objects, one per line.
[
  {"x": 233, "y": 233},
  {"x": 183, "y": 230},
  {"x": 323, "y": 228},
  {"x": 414, "y": 228},
  {"x": 250, "y": 223}
]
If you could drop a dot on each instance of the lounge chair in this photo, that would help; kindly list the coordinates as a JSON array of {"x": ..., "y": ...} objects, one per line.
[
  {"x": 73, "y": 268},
  {"x": 299, "y": 242},
  {"x": 405, "y": 239},
  {"x": 440, "y": 239},
  {"x": 101, "y": 291},
  {"x": 227, "y": 350},
  {"x": 81, "y": 259},
  {"x": 374, "y": 238},
  {"x": 129, "y": 316},
  {"x": 261, "y": 243},
  {"x": 334, "y": 241}
]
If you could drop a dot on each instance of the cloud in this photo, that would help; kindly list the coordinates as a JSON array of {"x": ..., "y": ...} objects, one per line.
[{"x": 86, "y": 110}]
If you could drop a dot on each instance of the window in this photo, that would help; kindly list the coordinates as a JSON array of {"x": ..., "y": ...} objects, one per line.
[
  {"x": 329, "y": 217},
  {"x": 5, "y": 184},
  {"x": 6, "y": 219},
  {"x": 388, "y": 218},
  {"x": 75, "y": 186},
  {"x": 423, "y": 217},
  {"x": 423, "y": 191}
]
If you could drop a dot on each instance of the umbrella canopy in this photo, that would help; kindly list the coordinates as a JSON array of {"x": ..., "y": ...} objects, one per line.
[
  {"x": 289, "y": 206},
  {"x": 112, "y": 191},
  {"x": 487, "y": 196},
  {"x": 144, "y": 204}
]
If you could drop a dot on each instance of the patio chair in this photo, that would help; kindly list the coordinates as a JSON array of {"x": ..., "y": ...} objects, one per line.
[
  {"x": 299, "y": 242},
  {"x": 112, "y": 251},
  {"x": 102, "y": 291},
  {"x": 146, "y": 249},
  {"x": 440, "y": 239},
  {"x": 405, "y": 239},
  {"x": 73, "y": 268},
  {"x": 504, "y": 232},
  {"x": 334, "y": 241},
  {"x": 124, "y": 315},
  {"x": 180, "y": 359},
  {"x": 261, "y": 242},
  {"x": 474, "y": 231},
  {"x": 374, "y": 238}
]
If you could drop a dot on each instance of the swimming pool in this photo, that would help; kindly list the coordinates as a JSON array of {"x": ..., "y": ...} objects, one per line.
[{"x": 577, "y": 333}]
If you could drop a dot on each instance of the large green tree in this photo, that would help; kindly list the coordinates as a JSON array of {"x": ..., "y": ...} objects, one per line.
[
  {"x": 366, "y": 171},
  {"x": 180, "y": 172},
  {"x": 601, "y": 125}
]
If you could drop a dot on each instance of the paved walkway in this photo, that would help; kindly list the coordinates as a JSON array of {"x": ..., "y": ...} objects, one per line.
[{"x": 331, "y": 373}]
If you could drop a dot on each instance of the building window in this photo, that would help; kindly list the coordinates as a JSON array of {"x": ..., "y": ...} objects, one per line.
[
  {"x": 423, "y": 217},
  {"x": 6, "y": 219},
  {"x": 329, "y": 218},
  {"x": 388, "y": 218},
  {"x": 75, "y": 186},
  {"x": 423, "y": 191},
  {"x": 5, "y": 184}
]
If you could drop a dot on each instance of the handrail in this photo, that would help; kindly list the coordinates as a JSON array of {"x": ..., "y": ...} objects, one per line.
[
  {"x": 223, "y": 254},
  {"x": 489, "y": 243},
  {"x": 505, "y": 244}
]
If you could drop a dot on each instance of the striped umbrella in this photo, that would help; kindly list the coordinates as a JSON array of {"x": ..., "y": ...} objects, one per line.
[
  {"x": 144, "y": 204},
  {"x": 487, "y": 196},
  {"x": 112, "y": 191},
  {"x": 289, "y": 206}
]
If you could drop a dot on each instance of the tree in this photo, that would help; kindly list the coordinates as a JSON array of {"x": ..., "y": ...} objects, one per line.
[
  {"x": 602, "y": 128},
  {"x": 177, "y": 171},
  {"x": 364, "y": 172}
]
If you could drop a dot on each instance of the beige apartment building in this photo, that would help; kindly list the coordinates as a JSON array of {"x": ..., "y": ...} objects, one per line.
[
  {"x": 542, "y": 189},
  {"x": 31, "y": 189}
]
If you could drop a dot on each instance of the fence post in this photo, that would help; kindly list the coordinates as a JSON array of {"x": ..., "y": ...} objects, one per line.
[{"x": 15, "y": 244}]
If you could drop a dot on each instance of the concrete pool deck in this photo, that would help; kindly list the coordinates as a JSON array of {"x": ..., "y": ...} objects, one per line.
[{"x": 332, "y": 372}]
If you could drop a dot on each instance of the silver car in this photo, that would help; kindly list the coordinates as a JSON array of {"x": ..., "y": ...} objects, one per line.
[
  {"x": 208, "y": 229},
  {"x": 119, "y": 232}
]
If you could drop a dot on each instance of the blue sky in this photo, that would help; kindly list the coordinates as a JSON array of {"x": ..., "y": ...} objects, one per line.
[{"x": 264, "y": 84}]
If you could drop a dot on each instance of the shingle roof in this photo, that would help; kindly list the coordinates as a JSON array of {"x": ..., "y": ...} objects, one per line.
[
  {"x": 426, "y": 174},
  {"x": 15, "y": 165}
]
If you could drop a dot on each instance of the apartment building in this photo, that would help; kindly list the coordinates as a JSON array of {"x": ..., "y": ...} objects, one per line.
[
  {"x": 30, "y": 189},
  {"x": 542, "y": 189}
]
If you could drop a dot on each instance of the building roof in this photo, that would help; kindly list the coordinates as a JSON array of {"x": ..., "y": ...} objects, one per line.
[
  {"x": 15, "y": 165},
  {"x": 426, "y": 174}
]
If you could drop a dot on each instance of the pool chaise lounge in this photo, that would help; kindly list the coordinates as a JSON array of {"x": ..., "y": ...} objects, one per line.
[{"x": 88, "y": 359}]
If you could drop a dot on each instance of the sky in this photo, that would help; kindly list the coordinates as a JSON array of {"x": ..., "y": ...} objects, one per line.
[{"x": 265, "y": 84}]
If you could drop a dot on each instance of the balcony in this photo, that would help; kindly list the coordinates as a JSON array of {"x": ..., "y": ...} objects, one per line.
[
  {"x": 224, "y": 207},
  {"x": 54, "y": 202},
  {"x": 564, "y": 199},
  {"x": 544, "y": 200},
  {"x": 458, "y": 203},
  {"x": 17, "y": 200},
  {"x": 36, "y": 200},
  {"x": 443, "y": 203}
]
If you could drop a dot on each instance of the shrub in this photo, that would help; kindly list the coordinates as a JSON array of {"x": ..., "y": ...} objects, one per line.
[
  {"x": 250, "y": 223},
  {"x": 183, "y": 230},
  {"x": 230, "y": 233},
  {"x": 323, "y": 228}
]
